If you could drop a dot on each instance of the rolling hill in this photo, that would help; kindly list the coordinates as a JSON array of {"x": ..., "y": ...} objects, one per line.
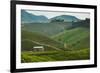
[
  {"x": 67, "y": 38},
  {"x": 66, "y": 18},
  {"x": 30, "y": 18},
  {"x": 46, "y": 28},
  {"x": 77, "y": 38},
  {"x": 27, "y": 17},
  {"x": 31, "y": 39}
]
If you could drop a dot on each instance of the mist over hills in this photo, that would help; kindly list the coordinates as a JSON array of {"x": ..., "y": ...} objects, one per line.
[
  {"x": 49, "y": 27},
  {"x": 60, "y": 28},
  {"x": 30, "y": 18},
  {"x": 27, "y": 17},
  {"x": 61, "y": 38}
]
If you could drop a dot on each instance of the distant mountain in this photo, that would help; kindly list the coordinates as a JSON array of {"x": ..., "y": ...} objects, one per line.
[
  {"x": 66, "y": 18},
  {"x": 30, "y": 18},
  {"x": 27, "y": 17}
]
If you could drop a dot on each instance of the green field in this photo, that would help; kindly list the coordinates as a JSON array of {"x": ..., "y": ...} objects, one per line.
[
  {"x": 54, "y": 36},
  {"x": 60, "y": 43},
  {"x": 77, "y": 38},
  {"x": 30, "y": 39},
  {"x": 29, "y": 56},
  {"x": 48, "y": 29}
]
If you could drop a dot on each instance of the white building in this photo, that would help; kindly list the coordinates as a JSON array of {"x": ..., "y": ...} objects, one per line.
[{"x": 38, "y": 48}]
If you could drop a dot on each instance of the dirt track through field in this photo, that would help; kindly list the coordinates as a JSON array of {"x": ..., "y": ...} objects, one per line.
[{"x": 41, "y": 44}]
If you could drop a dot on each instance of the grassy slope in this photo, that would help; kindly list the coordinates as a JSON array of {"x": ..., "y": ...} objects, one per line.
[
  {"x": 77, "y": 38},
  {"x": 54, "y": 56},
  {"x": 46, "y": 28},
  {"x": 30, "y": 39}
]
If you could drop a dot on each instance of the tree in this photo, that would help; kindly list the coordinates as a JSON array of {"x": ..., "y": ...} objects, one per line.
[{"x": 57, "y": 20}]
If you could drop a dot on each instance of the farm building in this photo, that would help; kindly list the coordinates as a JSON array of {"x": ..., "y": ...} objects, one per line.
[{"x": 38, "y": 48}]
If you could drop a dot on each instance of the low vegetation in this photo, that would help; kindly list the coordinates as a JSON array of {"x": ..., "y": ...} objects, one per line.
[
  {"x": 60, "y": 42},
  {"x": 30, "y": 56}
]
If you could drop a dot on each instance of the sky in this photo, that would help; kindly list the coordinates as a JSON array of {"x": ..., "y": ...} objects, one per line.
[{"x": 51, "y": 14}]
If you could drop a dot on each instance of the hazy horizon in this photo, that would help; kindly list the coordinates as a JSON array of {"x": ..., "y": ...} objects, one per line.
[{"x": 51, "y": 14}]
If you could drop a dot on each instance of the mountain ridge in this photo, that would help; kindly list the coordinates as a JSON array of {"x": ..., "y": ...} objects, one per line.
[
  {"x": 31, "y": 18},
  {"x": 27, "y": 17},
  {"x": 66, "y": 18}
]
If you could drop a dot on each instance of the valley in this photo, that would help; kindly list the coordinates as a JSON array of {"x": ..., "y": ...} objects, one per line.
[{"x": 61, "y": 38}]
